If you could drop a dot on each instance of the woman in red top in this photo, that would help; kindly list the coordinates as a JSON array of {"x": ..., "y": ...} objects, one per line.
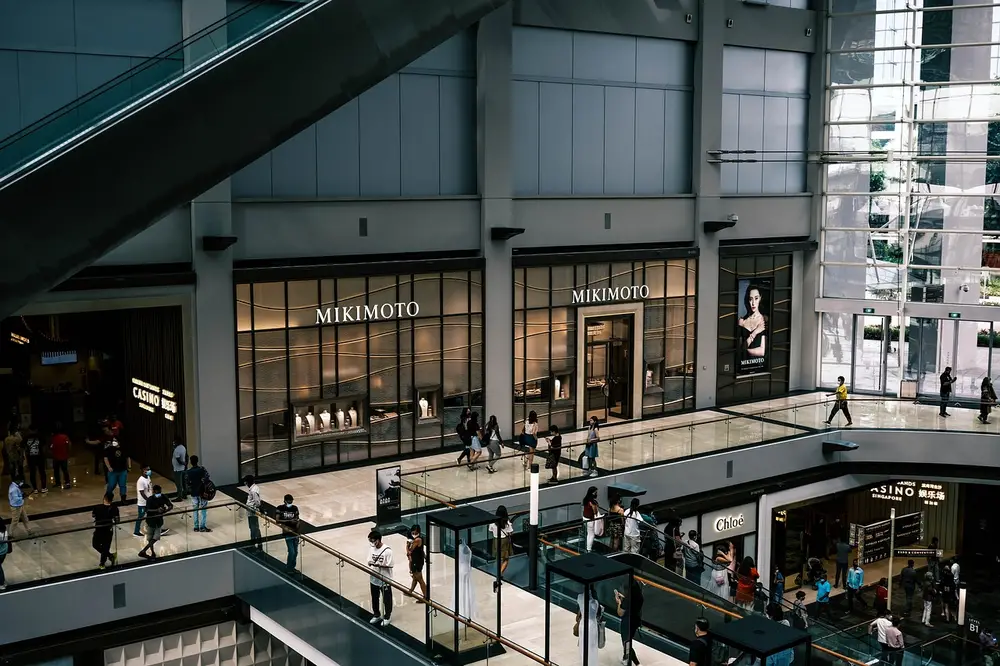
[
  {"x": 59, "y": 445},
  {"x": 746, "y": 582}
]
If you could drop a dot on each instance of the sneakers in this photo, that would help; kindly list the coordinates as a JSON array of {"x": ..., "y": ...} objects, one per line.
[
  {"x": 45, "y": 490},
  {"x": 67, "y": 486},
  {"x": 165, "y": 531},
  {"x": 826, "y": 423},
  {"x": 146, "y": 556},
  {"x": 375, "y": 620},
  {"x": 198, "y": 529},
  {"x": 385, "y": 622},
  {"x": 3, "y": 587}
]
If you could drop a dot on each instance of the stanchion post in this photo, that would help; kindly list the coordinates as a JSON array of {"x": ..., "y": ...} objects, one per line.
[{"x": 533, "y": 530}]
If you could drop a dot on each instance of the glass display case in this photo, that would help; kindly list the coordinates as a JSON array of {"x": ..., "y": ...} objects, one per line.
[
  {"x": 428, "y": 409},
  {"x": 329, "y": 418},
  {"x": 562, "y": 385},
  {"x": 653, "y": 378}
]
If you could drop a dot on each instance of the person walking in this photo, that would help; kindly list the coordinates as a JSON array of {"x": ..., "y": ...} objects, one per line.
[
  {"x": 778, "y": 586},
  {"x": 630, "y": 611},
  {"x": 929, "y": 592},
  {"x": 934, "y": 560},
  {"x": 855, "y": 583},
  {"x": 946, "y": 381},
  {"x": 253, "y": 510},
  {"x": 590, "y": 452},
  {"x": 156, "y": 507},
  {"x": 463, "y": 435},
  {"x": 633, "y": 531},
  {"x": 14, "y": 450},
  {"x": 6, "y": 546},
  {"x": 908, "y": 578},
  {"x": 878, "y": 627},
  {"x": 59, "y": 447},
  {"x": 801, "y": 618},
  {"x": 553, "y": 455},
  {"x": 105, "y": 516},
  {"x": 416, "y": 557},
  {"x": 202, "y": 490},
  {"x": 894, "y": 642},
  {"x": 529, "y": 437},
  {"x": 476, "y": 441},
  {"x": 380, "y": 560},
  {"x": 591, "y": 512},
  {"x": 36, "y": 461},
  {"x": 494, "y": 443},
  {"x": 143, "y": 490},
  {"x": 178, "y": 464},
  {"x": 746, "y": 582},
  {"x": 692, "y": 558},
  {"x": 881, "y": 602},
  {"x": 987, "y": 398},
  {"x": 843, "y": 558},
  {"x": 287, "y": 516},
  {"x": 823, "y": 598},
  {"x": 949, "y": 597},
  {"x": 840, "y": 403},
  {"x": 502, "y": 532},
  {"x": 118, "y": 463},
  {"x": 15, "y": 496},
  {"x": 700, "y": 650}
]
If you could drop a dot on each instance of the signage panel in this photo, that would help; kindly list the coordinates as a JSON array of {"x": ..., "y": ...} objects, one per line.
[{"x": 730, "y": 522}]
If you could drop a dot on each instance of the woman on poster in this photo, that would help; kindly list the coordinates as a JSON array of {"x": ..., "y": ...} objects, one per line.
[{"x": 753, "y": 326}]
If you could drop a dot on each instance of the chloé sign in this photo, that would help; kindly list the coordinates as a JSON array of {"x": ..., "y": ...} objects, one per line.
[
  {"x": 610, "y": 294},
  {"x": 730, "y": 522},
  {"x": 353, "y": 313}
]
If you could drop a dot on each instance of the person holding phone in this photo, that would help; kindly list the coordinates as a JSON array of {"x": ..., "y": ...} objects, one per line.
[{"x": 630, "y": 611}]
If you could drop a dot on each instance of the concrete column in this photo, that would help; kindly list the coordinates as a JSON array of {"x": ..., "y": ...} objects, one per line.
[
  {"x": 493, "y": 125},
  {"x": 215, "y": 438},
  {"x": 707, "y": 187}
]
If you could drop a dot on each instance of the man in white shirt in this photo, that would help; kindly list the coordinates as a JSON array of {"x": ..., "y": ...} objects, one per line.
[
  {"x": 143, "y": 489},
  {"x": 633, "y": 534},
  {"x": 881, "y": 624},
  {"x": 955, "y": 571},
  {"x": 380, "y": 560},
  {"x": 253, "y": 510},
  {"x": 179, "y": 463}
]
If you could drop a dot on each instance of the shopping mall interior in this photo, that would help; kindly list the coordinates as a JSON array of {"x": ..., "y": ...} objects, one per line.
[{"x": 541, "y": 332}]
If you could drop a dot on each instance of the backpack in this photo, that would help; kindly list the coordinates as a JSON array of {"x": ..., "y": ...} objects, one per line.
[{"x": 207, "y": 489}]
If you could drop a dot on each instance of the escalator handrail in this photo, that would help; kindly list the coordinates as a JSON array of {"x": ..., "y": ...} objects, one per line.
[
  {"x": 150, "y": 96},
  {"x": 165, "y": 54}
]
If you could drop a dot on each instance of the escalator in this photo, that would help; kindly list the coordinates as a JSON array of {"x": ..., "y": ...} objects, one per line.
[{"x": 93, "y": 174}]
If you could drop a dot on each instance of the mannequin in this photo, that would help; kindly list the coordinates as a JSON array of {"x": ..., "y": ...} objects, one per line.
[
  {"x": 558, "y": 388},
  {"x": 324, "y": 420},
  {"x": 340, "y": 418},
  {"x": 310, "y": 423},
  {"x": 352, "y": 418},
  {"x": 298, "y": 423},
  {"x": 649, "y": 377},
  {"x": 466, "y": 602},
  {"x": 424, "y": 408}
]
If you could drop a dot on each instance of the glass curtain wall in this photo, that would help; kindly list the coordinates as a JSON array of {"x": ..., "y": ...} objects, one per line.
[
  {"x": 912, "y": 212},
  {"x": 392, "y": 381},
  {"x": 545, "y": 335}
]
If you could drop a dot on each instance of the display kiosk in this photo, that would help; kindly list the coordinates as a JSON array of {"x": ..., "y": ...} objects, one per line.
[{"x": 754, "y": 638}]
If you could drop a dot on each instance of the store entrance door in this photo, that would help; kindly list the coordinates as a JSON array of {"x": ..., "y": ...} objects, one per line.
[{"x": 608, "y": 372}]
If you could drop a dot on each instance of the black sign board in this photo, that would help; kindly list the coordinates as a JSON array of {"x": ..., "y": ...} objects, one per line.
[
  {"x": 388, "y": 503},
  {"x": 874, "y": 541},
  {"x": 919, "y": 552}
]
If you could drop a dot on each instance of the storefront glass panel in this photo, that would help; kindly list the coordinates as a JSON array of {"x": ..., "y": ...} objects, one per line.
[{"x": 346, "y": 369}]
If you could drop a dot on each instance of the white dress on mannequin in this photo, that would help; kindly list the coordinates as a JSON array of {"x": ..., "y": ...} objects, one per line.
[
  {"x": 298, "y": 424},
  {"x": 649, "y": 378},
  {"x": 466, "y": 602},
  {"x": 340, "y": 419},
  {"x": 558, "y": 389},
  {"x": 311, "y": 420},
  {"x": 424, "y": 405},
  {"x": 352, "y": 418},
  {"x": 591, "y": 620},
  {"x": 324, "y": 420}
]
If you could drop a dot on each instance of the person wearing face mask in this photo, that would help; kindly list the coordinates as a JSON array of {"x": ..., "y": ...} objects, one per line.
[
  {"x": 380, "y": 560},
  {"x": 156, "y": 506},
  {"x": 287, "y": 515},
  {"x": 143, "y": 489},
  {"x": 105, "y": 519},
  {"x": 253, "y": 509},
  {"x": 118, "y": 463}
]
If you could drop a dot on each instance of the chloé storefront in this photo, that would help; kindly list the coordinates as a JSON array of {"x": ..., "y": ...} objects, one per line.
[
  {"x": 610, "y": 335},
  {"x": 342, "y": 363}
]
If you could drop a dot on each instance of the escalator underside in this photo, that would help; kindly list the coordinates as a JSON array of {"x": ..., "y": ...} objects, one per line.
[{"x": 72, "y": 207}]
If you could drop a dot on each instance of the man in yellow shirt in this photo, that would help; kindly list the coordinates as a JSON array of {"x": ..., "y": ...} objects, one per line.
[{"x": 840, "y": 404}]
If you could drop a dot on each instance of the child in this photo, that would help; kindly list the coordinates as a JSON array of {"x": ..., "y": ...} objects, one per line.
[{"x": 800, "y": 617}]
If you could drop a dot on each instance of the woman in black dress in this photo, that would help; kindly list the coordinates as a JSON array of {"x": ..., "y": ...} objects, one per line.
[{"x": 415, "y": 555}]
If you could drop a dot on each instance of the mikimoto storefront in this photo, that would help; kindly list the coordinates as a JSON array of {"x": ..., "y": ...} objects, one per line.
[
  {"x": 343, "y": 363},
  {"x": 610, "y": 335}
]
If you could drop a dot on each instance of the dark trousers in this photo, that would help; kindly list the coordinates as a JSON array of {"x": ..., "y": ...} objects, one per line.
[
  {"x": 841, "y": 575},
  {"x": 466, "y": 454},
  {"x": 36, "y": 468},
  {"x": 629, "y": 629},
  {"x": 944, "y": 402},
  {"x": 102, "y": 544},
  {"x": 840, "y": 405},
  {"x": 823, "y": 608},
  {"x": 61, "y": 466},
  {"x": 984, "y": 411},
  {"x": 253, "y": 522},
  {"x": 179, "y": 476},
  {"x": 693, "y": 574},
  {"x": 895, "y": 656},
  {"x": 852, "y": 595},
  {"x": 909, "y": 599},
  {"x": 98, "y": 461},
  {"x": 385, "y": 593}
]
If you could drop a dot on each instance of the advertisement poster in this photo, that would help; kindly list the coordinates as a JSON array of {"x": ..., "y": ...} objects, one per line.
[
  {"x": 388, "y": 506},
  {"x": 752, "y": 327}
]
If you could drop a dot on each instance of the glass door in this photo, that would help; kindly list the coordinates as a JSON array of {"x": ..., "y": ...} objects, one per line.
[
  {"x": 608, "y": 371},
  {"x": 620, "y": 368},
  {"x": 872, "y": 345}
]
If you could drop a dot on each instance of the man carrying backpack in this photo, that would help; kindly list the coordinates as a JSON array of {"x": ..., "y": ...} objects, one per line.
[{"x": 202, "y": 491}]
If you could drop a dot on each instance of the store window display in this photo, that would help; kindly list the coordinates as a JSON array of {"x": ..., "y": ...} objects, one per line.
[{"x": 339, "y": 369}]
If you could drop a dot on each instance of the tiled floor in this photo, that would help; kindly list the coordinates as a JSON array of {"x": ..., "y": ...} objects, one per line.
[{"x": 523, "y": 622}]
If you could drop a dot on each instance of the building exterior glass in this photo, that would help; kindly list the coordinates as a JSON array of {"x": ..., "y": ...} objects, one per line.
[
  {"x": 342, "y": 369},
  {"x": 911, "y": 213},
  {"x": 641, "y": 311}
]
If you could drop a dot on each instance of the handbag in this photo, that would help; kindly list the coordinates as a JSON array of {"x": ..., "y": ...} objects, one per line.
[
  {"x": 599, "y": 524},
  {"x": 719, "y": 576}
]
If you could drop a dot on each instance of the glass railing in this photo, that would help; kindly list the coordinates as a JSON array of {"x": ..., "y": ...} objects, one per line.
[
  {"x": 952, "y": 650},
  {"x": 158, "y": 72},
  {"x": 706, "y": 432}
]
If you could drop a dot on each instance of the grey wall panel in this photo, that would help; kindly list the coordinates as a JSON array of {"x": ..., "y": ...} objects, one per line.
[
  {"x": 379, "y": 122},
  {"x": 664, "y": 62},
  {"x": 796, "y": 140},
  {"x": 772, "y": 26},
  {"x": 775, "y": 117},
  {"x": 95, "y": 70},
  {"x": 558, "y": 222},
  {"x": 44, "y": 611},
  {"x": 324, "y": 228},
  {"x": 41, "y": 25},
  {"x": 786, "y": 72},
  {"x": 420, "y": 123},
  {"x": 127, "y": 27},
  {"x": 293, "y": 166},
  {"x": 662, "y": 20},
  {"x": 730, "y": 139},
  {"x": 544, "y": 53},
  {"x": 253, "y": 180},
  {"x": 619, "y": 140},
  {"x": 743, "y": 69},
  {"x": 457, "y": 55},
  {"x": 677, "y": 141},
  {"x": 167, "y": 241},
  {"x": 768, "y": 217},
  {"x": 588, "y": 139},
  {"x": 555, "y": 138},
  {"x": 47, "y": 81},
  {"x": 338, "y": 153},
  {"x": 649, "y": 156},
  {"x": 602, "y": 57},
  {"x": 457, "y": 135},
  {"x": 524, "y": 112},
  {"x": 749, "y": 175},
  {"x": 10, "y": 98}
]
